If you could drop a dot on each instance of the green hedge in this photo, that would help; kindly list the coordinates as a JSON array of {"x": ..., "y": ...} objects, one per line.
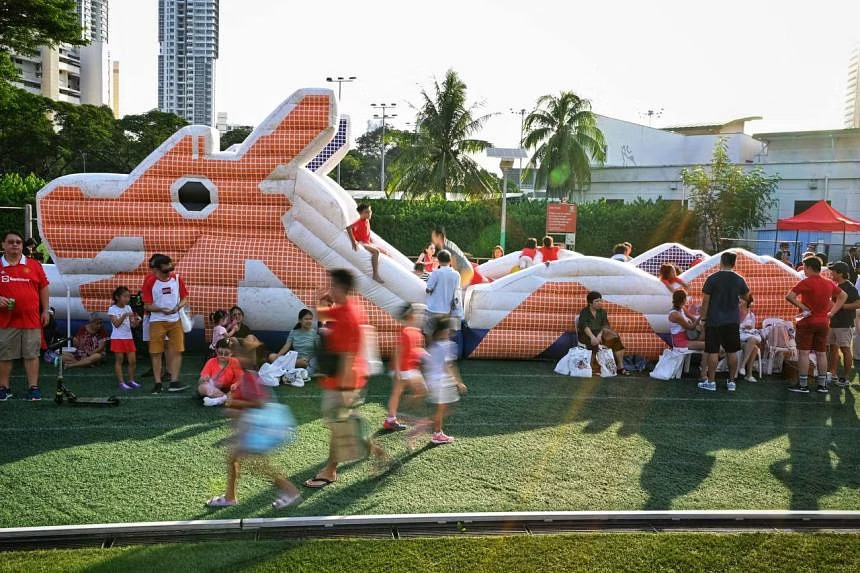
[
  {"x": 474, "y": 225},
  {"x": 16, "y": 191}
]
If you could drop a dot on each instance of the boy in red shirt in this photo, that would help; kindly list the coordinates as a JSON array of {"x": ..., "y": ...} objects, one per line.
[
  {"x": 359, "y": 232},
  {"x": 549, "y": 251},
  {"x": 813, "y": 325},
  {"x": 23, "y": 313}
]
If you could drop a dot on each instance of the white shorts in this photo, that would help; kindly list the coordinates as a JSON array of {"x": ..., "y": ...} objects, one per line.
[{"x": 443, "y": 392}]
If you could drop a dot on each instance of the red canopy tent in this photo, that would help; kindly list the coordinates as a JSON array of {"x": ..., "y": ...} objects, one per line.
[{"x": 820, "y": 217}]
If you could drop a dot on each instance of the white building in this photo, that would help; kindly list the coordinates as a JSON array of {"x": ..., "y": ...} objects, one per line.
[
  {"x": 188, "y": 40},
  {"x": 852, "y": 96},
  {"x": 73, "y": 74}
]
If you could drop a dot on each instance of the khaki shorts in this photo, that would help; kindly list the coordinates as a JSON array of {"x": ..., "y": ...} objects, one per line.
[
  {"x": 337, "y": 405},
  {"x": 841, "y": 337},
  {"x": 20, "y": 343},
  {"x": 174, "y": 333}
]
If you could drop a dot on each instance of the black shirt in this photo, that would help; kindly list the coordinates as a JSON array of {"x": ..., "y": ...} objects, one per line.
[
  {"x": 844, "y": 318},
  {"x": 724, "y": 288}
]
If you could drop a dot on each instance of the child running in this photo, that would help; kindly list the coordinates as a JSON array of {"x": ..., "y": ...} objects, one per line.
[
  {"x": 123, "y": 319},
  {"x": 406, "y": 362},
  {"x": 444, "y": 384},
  {"x": 247, "y": 393}
]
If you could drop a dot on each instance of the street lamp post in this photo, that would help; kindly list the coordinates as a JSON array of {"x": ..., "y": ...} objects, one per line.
[
  {"x": 506, "y": 156},
  {"x": 340, "y": 81},
  {"x": 522, "y": 113},
  {"x": 383, "y": 116}
]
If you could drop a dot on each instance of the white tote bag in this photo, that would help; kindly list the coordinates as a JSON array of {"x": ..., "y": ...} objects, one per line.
[
  {"x": 580, "y": 362},
  {"x": 184, "y": 317},
  {"x": 606, "y": 359},
  {"x": 563, "y": 365},
  {"x": 670, "y": 365}
]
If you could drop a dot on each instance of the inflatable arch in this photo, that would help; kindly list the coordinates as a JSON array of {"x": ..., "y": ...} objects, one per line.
[{"x": 259, "y": 224}]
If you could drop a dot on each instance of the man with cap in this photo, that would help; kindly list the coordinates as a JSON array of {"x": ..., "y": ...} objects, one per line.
[{"x": 842, "y": 326}]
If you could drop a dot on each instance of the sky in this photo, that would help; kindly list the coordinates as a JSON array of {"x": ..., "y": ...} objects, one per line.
[{"x": 698, "y": 62}]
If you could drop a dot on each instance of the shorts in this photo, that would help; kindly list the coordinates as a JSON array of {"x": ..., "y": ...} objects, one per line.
[
  {"x": 174, "y": 333},
  {"x": 841, "y": 336},
  {"x": 812, "y": 336},
  {"x": 614, "y": 343},
  {"x": 338, "y": 404},
  {"x": 681, "y": 340},
  {"x": 20, "y": 343},
  {"x": 726, "y": 335},
  {"x": 122, "y": 345},
  {"x": 410, "y": 375},
  {"x": 443, "y": 392}
]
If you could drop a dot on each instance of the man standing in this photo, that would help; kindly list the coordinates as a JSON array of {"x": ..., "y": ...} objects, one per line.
[
  {"x": 459, "y": 261},
  {"x": 722, "y": 292},
  {"x": 853, "y": 262},
  {"x": 842, "y": 325},
  {"x": 24, "y": 308},
  {"x": 443, "y": 292},
  {"x": 813, "y": 325},
  {"x": 164, "y": 293}
]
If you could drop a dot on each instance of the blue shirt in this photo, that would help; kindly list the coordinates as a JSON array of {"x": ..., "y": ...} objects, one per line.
[{"x": 444, "y": 292}]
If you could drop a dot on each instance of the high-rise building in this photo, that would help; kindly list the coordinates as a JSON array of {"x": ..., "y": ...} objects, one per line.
[
  {"x": 73, "y": 74},
  {"x": 852, "y": 100},
  {"x": 188, "y": 40}
]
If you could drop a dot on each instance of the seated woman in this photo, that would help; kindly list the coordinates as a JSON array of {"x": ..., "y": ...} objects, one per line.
[
  {"x": 669, "y": 277},
  {"x": 305, "y": 340},
  {"x": 242, "y": 331},
  {"x": 427, "y": 258},
  {"x": 680, "y": 323},
  {"x": 592, "y": 330},
  {"x": 750, "y": 338},
  {"x": 219, "y": 373}
]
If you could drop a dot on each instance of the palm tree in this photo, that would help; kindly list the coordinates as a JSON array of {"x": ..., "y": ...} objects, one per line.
[
  {"x": 564, "y": 133},
  {"x": 438, "y": 162}
]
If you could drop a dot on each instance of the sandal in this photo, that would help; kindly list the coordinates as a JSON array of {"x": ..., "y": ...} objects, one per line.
[
  {"x": 318, "y": 482},
  {"x": 624, "y": 372},
  {"x": 286, "y": 499},
  {"x": 220, "y": 501}
]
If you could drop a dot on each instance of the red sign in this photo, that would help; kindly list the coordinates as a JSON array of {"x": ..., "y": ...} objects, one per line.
[{"x": 560, "y": 218}]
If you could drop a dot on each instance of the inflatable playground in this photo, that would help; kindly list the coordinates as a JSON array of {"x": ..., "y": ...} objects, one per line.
[{"x": 259, "y": 225}]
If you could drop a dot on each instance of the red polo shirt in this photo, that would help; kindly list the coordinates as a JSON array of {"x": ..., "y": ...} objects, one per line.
[
  {"x": 23, "y": 283},
  {"x": 361, "y": 231}
]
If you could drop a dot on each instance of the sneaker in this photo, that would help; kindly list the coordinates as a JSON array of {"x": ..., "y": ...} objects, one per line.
[
  {"x": 286, "y": 499},
  {"x": 440, "y": 438},
  {"x": 298, "y": 382},
  {"x": 157, "y": 389},
  {"x": 134, "y": 384},
  {"x": 5, "y": 394},
  {"x": 742, "y": 371},
  {"x": 124, "y": 386},
  {"x": 731, "y": 386},
  {"x": 798, "y": 388},
  {"x": 822, "y": 389},
  {"x": 750, "y": 378},
  {"x": 843, "y": 383},
  {"x": 207, "y": 401},
  {"x": 393, "y": 425},
  {"x": 708, "y": 385},
  {"x": 34, "y": 394},
  {"x": 177, "y": 387}
]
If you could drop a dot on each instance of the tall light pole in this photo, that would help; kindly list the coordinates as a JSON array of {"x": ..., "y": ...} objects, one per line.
[
  {"x": 383, "y": 116},
  {"x": 340, "y": 81},
  {"x": 522, "y": 113}
]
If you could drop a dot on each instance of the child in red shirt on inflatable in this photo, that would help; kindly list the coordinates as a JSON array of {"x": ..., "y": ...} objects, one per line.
[
  {"x": 406, "y": 369},
  {"x": 549, "y": 251},
  {"x": 359, "y": 232}
]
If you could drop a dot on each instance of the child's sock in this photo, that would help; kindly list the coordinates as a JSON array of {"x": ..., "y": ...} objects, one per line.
[
  {"x": 803, "y": 381},
  {"x": 823, "y": 380}
]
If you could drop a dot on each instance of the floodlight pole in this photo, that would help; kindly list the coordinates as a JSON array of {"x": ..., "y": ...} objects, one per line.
[
  {"x": 340, "y": 81},
  {"x": 383, "y": 107},
  {"x": 522, "y": 113}
]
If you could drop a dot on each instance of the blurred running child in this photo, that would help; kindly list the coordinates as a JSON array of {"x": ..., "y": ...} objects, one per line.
[
  {"x": 406, "y": 364},
  {"x": 123, "y": 319},
  {"x": 219, "y": 374},
  {"x": 248, "y": 393},
  {"x": 444, "y": 384}
]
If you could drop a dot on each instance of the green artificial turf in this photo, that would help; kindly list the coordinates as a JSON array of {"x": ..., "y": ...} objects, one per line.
[
  {"x": 526, "y": 440},
  {"x": 688, "y": 552}
]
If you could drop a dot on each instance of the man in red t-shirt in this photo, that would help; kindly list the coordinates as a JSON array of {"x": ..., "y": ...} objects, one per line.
[
  {"x": 813, "y": 325},
  {"x": 359, "y": 232},
  {"x": 341, "y": 391},
  {"x": 23, "y": 313}
]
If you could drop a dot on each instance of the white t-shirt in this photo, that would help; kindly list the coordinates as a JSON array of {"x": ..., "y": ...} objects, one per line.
[
  {"x": 444, "y": 284},
  {"x": 439, "y": 354},
  {"x": 123, "y": 331},
  {"x": 163, "y": 294}
]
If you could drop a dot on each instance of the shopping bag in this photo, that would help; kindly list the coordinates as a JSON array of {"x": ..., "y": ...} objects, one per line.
[
  {"x": 606, "y": 360},
  {"x": 264, "y": 429},
  {"x": 563, "y": 365},
  {"x": 186, "y": 321},
  {"x": 270, "y": 374},
  {"x": 350, "y": 438},
  {"x": 580, "y": 362},
  {"x": 670, "y": 365}
]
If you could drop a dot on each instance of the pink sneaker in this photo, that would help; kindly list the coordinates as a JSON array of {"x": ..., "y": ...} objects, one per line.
[
  {"x": 393, "y": 425},
  {"x": 440, "y": 438}
]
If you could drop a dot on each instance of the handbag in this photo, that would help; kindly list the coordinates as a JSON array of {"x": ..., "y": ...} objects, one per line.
[
  {"x": 580, "y": 362},
  {"x": 264, "y": 429},
  {"x": 187, "y": 323},
  {"x": 670, "y": 365},
  {"x": 606, "y": 360},
  {"x": 350, "y": 438}
]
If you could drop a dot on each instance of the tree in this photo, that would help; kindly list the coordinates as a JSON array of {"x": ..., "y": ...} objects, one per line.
[
  {"x": 359, "y": 170},
  {"x": 234, "y": 136},
  {"x": 564, "y": 133},
  {"x": 28, "y": 142},
  {"x": 27, "y": 24},
  {"x": 86, "y": 138},
  {"x": 726, "y": 200},
  {"x": 139, "y": 135},
  {"x": 439, "y": 162}
]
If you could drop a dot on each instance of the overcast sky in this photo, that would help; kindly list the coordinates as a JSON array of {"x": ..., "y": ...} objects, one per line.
[{"x": 699, "y": 62}]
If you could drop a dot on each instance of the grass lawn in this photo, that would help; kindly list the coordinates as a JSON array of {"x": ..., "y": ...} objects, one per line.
[
  {"x": 527, "y": 439},
  {"x": 584, "y": 552}
]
